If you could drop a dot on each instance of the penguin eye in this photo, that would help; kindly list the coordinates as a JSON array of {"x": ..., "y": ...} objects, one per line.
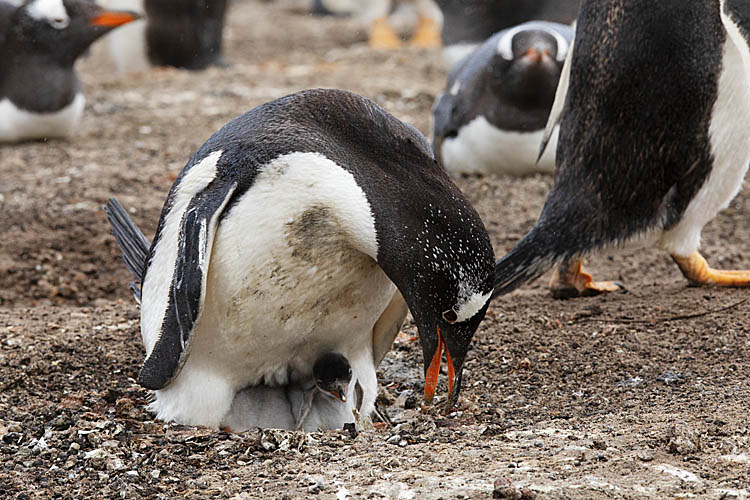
[{"x": 450, "y": 316}]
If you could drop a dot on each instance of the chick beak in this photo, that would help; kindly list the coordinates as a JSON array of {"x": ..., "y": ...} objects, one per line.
[
  {"x": 113, "y": 19},
  {"x": 339, "y": 393},
  {"x": 433, "y": 371}
]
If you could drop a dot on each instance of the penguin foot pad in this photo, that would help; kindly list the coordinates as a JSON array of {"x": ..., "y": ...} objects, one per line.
[
  {"x": 570, "y": 281},
  {"x": 698, "y": 273}
]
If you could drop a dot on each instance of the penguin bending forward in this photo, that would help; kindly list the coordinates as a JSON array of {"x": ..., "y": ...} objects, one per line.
[
  {"x": 654, "y": 101},
  {"x": 304, "y": 226},
  {"x": 40, "y": 40},
  {"x": 496, "y": 103}
]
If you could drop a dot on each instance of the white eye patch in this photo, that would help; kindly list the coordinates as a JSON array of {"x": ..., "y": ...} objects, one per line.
[
  {"x": 51, "y": 11},
  {"x": 505, "y": 45}
]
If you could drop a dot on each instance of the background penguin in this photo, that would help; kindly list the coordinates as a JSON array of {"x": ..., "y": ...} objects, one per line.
[
  {"x": 653, "y": 139},
  {"x": 324, "y": 402},
  {"x": 40, "y": 95},
  {"x": 289, "y": 234},
  {"x": 179, "y": 33},
  {"x": 492, "y": 115},
  {"x": 467, "y": 23}
]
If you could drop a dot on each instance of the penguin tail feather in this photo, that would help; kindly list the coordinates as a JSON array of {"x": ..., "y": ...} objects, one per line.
[
  {"x": 131, "y": 241},
  {"x": 528, "y": 260}
]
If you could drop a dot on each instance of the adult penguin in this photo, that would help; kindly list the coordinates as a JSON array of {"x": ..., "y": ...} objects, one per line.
[
  {"x": 40, "y": 40},
  {"x": 293, "y": 231},
  {"x": 491, "y": 117},
  {"x": 655, "y": 102}
]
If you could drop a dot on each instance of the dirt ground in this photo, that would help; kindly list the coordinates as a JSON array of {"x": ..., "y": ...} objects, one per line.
[{"x": 643, "y": 394}]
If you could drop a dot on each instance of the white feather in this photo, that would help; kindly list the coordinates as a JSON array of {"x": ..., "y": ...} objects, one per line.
[
  {"x": 17, "y": 124},
  {"x": 482, "y": 148},
  {"x": 51, "y": 11},
  {"x": 277, "y": 299}
]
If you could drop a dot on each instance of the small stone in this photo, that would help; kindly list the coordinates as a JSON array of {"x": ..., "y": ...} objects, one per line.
[
  {"x": 645, "y": 456},
  {"x": 527, "y": 494},
  {"x": 682, "y": 440},
  {"x": 504, "y": 488},
  {"x": 598, "y": 444},
  {"x": 393, "y": 439},
  {"x": 524, "y": 364}
]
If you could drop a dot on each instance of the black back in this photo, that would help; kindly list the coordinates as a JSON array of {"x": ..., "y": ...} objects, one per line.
[
  {"x": 511, "y": 94},
  {"x": 472, "y": 21},
  {"x": 37, "y": 59},
  {"x": 185, "y": 33}
]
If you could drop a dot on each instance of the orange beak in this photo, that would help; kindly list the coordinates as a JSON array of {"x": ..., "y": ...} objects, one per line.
[
  {"x": 431, "y": 377},
  {"x": 113, "y": 19}
]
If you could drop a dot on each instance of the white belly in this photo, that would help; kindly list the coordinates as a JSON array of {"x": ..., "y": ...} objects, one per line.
[
  {"x": 481, "y": 148},
  {"x": 730, "y": 145},
  {"x": 17, "y": 124}
]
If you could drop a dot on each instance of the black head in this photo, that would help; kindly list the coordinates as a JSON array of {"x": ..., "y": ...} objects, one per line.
[
  {"x": 332, "y": 374},
  {"x": 62, "y": 29},
  {"x": 528, "y": 63}
]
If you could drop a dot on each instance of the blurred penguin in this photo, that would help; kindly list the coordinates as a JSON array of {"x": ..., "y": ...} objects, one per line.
[
  {"x": 179, "y": 33},
  {"x": 492, "y": 115},
  {"x": 467, "y": 23}
]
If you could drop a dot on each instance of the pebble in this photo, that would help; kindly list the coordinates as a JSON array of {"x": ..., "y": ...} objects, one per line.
[{"x": 504, "y": 488}]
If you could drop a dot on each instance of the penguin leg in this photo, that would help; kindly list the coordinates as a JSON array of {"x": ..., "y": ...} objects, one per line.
[
  {"x": 382, "y": 36},
  {"x": 570, "y": 280},
  {"x": 305, "y": 409},
  {"x": 427, "y": 34},
  {"x": 695, "y": 268}
]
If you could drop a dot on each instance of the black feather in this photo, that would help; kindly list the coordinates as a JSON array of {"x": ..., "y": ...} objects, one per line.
[{"x": 131, "y": 241}]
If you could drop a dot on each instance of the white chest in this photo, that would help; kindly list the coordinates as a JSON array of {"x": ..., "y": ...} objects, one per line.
[
  {"x": 17, "y": 124},
  {"x": 482, "y": 148}
]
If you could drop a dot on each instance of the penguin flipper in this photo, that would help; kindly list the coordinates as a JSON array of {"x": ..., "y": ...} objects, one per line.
[
  {"x": 387, "y": 326},
  {"x": 735, "y": 16},
  {"x": 555, "y": 114},
  {"x": 187, "y": 292},
  {"x": 131, "y": 241}
]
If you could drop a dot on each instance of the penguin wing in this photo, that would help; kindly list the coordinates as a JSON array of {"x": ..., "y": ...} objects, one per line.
[
  {"x": 193, "y": 227},
  {"x": 555, "y": 114},
  {"x": 387, "y": 326},
  {"x": 735, "y": 15},
  {"x": 442, "y": 114}
]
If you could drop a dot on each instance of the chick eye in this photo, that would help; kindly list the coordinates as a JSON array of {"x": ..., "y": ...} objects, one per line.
[{"x": 450, "y": 316}]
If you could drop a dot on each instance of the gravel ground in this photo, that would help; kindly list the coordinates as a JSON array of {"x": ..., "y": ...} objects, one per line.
[{"x": 643, "y": 394}]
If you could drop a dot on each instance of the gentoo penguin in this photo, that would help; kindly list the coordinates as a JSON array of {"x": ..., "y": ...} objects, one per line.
[
  {"x": 492, "y": 115},
  {"x": 467, "y": 23},
  {"x": 40, "y": 95},
  {"x": 304, "y": 226},
  {"x": 322, "y": 403},
  {"x": 654, "y": 101}
]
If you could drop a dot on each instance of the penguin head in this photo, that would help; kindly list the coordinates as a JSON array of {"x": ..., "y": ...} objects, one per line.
[
  {"x": 444, "y": 269},
  {"x": 65, "y": 28},
  {"x": 528, "y": 64},
  {"x": 332, "y": 374}
]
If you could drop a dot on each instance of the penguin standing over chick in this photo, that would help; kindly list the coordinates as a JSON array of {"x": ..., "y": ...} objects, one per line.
[
  {"x": 491, "y": 117},
  {"x": 304, "y": 226},
  {"x": 655, "y": 105},
  {"x": 40, "y": 94}
]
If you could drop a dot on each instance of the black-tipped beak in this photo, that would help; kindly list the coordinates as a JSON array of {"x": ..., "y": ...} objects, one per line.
[{"x": 339, "y": 392}]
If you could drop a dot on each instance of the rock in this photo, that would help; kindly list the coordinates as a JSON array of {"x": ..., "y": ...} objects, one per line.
[
  {"x": 682, "y": 440},
  {"x": 504, "y": 488},
  {"x": 645, "y": 456}
]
